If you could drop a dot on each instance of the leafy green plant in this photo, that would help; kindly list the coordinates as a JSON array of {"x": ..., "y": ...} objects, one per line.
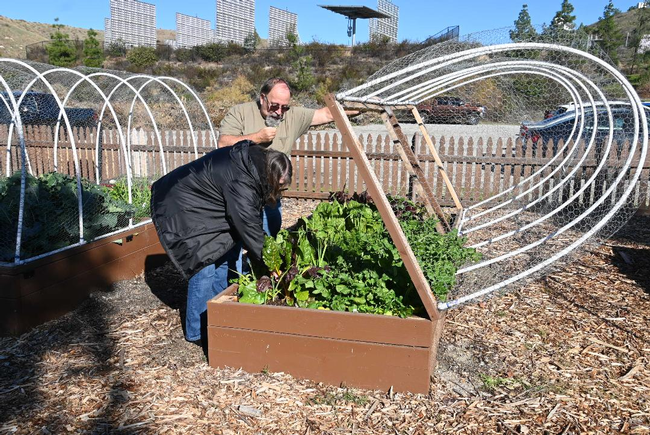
[
  {"x": 140, "y": 195},
  {"x": 51, "y": 213},
  {"x": 342, "y": 258},
  {"x": 492, "y": 382},
  {"x": 439, "y": 255}
]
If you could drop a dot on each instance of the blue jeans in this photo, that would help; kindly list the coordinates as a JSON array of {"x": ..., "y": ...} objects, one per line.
[
  {"x": 206, "y": 284},
  {"x": 271, "y": 222},
  {"x": 272, "y": 219}
]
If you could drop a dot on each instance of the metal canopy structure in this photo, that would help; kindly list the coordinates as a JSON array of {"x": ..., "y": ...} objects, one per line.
[
  {"x": 354, "y": 12},
  {"x": 580, "y": 193}
]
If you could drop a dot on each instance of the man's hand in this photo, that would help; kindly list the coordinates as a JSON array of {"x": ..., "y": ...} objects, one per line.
[{"x": 266, "y": 135}]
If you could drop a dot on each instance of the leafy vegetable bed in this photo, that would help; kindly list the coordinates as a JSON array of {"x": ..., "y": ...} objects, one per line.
[
  {"x": 342, "y": 258},
  {"x": 51, "y": 215}
]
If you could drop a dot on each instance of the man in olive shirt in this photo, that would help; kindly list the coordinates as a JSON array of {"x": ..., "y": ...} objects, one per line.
[{"x": 271, "y": 121}]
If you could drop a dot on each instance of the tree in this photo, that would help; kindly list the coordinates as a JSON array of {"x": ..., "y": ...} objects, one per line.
[
  {"x": 524, "y": 29},
  {"x": 609, "y": 32},
  {"x": 640, "y": 30},
  {"x": 60, "y": 51},
  {"x": 562, "y": 27},
  {"x": 252, "y": 41},
  {"x": 302, "y": 64},
  {"x": 563, "y": 20},
  {"x": 93, "y": 53}
]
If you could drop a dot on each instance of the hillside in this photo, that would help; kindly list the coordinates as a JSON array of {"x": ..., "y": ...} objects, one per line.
[
  {"x": 626, "y": 23},
  {"x": 16, "y": 34}
]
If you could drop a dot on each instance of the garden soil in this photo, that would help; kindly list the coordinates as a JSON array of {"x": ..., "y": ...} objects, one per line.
[{"x": 568, "y": 354}]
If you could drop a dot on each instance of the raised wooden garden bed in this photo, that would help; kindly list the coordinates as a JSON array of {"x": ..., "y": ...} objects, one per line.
[
  {"x": 47, "y": 288},
  {"x": 338, "y": 348}
]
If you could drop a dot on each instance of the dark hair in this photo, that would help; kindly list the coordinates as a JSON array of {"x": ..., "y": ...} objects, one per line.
[
  {"x": 278, "y": 165},
  {"x": 270, "y": 83}
]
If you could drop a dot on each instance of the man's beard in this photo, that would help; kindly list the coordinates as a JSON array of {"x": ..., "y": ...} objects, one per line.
[{"x": 272, "y": 121}]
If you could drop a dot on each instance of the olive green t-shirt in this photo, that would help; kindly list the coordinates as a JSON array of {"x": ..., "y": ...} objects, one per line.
[{"x": 246, "y": 118}]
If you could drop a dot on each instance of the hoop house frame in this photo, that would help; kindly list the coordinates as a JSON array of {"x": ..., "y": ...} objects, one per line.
[{"x": 41, "y": 285}]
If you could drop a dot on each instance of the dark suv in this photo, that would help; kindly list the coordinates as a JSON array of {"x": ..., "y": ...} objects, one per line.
[
  {"x": 560, "y": 126},
  {"x": 38, "y": 108}
]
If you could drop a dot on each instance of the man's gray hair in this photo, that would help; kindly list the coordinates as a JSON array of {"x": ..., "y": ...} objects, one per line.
[{"x": 270, "y": 83}]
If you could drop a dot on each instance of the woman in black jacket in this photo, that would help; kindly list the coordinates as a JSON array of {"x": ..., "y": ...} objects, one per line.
[{"x": 205, "y": 210}]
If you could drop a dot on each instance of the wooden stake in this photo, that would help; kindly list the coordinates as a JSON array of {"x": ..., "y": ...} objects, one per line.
[
  {"x": 413, "y": 166},
  {"x": 436, "y": 157}
]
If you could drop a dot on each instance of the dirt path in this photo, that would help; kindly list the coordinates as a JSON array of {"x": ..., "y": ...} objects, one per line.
[{"x": 568, "y": 354}]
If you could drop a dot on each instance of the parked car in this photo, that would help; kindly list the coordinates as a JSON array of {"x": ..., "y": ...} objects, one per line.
[
  {"x": 441, "y": 110},
  {"x": 559, "y": 127},
  {"x": 563, "y": 108},
  {"x": 450, "y": 110},
  {"x": 39, "y": 108}
]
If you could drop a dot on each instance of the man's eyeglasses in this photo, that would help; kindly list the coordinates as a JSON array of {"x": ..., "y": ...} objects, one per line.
[{"x": 274, "y": 107}]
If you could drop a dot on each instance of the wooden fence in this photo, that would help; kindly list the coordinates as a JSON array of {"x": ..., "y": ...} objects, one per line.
[{"x": 478, "y": 168}]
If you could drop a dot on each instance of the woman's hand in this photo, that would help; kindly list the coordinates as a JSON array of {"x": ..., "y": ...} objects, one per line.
[{"x": 276, "y": 275}]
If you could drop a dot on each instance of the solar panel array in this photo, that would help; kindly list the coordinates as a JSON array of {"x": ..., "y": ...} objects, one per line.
[
  {"x": 235, "y": 20},
  {"x": 385, "y": 27},
  {"x": 281, "y": 22},
  {"x": 192, "y": 31},
  {"x": 132, "y": 22}
]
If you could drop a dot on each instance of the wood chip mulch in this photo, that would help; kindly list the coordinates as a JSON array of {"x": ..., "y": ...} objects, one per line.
[{"x": 568, "y": 354}]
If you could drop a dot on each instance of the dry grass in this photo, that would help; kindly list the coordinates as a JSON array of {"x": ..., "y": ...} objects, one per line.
[
  {"x": 15, "y": 35},
  {"x": 568, "y": 354}
]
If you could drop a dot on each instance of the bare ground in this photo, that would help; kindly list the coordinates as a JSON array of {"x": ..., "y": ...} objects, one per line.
[{"x": 566, "y": 355}]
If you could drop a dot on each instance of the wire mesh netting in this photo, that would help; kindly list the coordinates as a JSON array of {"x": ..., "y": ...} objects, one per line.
[
  {"x": 567, "y": 107},
  {"x": 81, "y": 149}
]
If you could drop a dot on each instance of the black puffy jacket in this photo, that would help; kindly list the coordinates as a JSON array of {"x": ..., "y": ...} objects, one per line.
[{"x": 200, "y": 209}]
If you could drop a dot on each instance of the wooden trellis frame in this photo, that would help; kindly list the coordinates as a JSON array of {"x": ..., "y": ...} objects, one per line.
[{"x": 412, "y": 163}]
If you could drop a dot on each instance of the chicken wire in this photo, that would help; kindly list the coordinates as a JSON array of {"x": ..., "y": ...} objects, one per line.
[
  {"x": 73, "y": 138},
  {"x": 593, "y": 145}
]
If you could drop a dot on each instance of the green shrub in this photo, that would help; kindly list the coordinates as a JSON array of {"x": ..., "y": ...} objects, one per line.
[
  {"x": 213, "y": 52},
  {"x": 61, "y": 51},
  {"x": 116, "y": 49},
  {"x": 184, "y": 55},
  {"x": 142, "y": 57}
]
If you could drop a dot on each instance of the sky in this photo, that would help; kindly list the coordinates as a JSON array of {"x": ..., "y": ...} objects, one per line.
[{"x": 418, "y": 19}]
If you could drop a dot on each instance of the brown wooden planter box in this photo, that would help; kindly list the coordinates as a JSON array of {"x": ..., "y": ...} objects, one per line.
[
  {"x": 358, "y": 350},
  {"x": 47, "y": 288}
]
